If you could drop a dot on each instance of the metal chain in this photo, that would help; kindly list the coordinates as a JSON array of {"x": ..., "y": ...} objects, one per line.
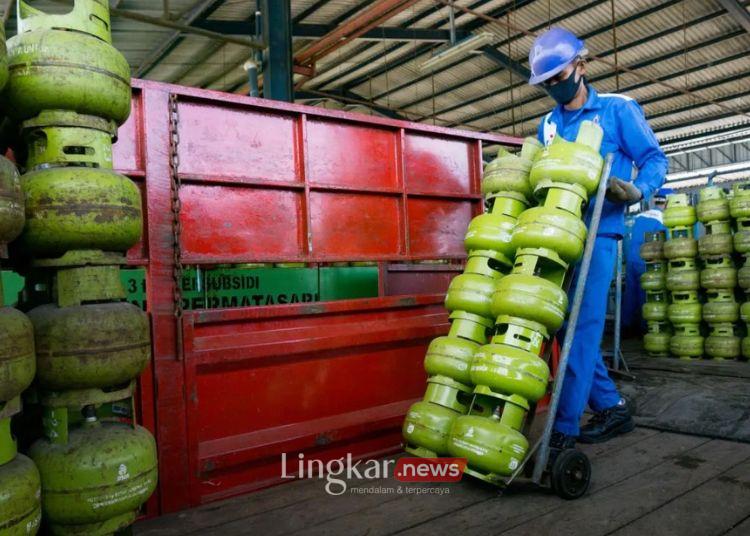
[{"x": 175, "y": 183}]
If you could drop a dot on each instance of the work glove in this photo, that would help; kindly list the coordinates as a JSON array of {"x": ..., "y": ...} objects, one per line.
[{"x": 620, "y": 191}]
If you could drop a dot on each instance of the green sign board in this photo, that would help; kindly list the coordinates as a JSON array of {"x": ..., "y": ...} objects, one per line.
[
  {"x": 254, "y": 287},
  {"x": 244, "y": 287}
]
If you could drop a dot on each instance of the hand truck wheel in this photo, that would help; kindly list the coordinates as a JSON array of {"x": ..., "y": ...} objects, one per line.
[{"x": 571, "y": 474}]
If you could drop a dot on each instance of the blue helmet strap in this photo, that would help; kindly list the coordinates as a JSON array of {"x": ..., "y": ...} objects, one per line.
[{"x": 565, "y": 90}]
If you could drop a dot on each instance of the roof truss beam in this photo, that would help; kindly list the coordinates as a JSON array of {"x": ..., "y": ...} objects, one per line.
[
  {"x": 506, "y": 62},
  {"x": 421, "y": 49},
  {"x": 314, "y": 31},
  {"x": 737, "y": 12}
]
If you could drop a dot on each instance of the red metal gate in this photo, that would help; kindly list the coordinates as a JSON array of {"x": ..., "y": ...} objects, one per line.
[{"x": 264, "y": 181}]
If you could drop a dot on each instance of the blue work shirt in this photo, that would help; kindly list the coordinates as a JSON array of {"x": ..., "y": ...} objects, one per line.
[{"x": 626, "y": 134}]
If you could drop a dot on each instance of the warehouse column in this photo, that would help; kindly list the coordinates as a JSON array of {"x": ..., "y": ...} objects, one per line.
[{"x": 277, "y": 30}]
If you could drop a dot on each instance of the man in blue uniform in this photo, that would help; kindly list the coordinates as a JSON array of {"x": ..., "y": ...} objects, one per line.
[
  {"x": 557, "y": 60},
  {"x": 648, "y": 221}
]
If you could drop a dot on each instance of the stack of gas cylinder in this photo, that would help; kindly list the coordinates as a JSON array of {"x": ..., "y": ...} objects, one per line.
[
  {"x": 69, "y": 89},
  {"x": 499, "y": 382},
  {"x": 739, "y": 209},
  {"x": 20, "y": 510},
  {"x": 702, "y": 300},
  {"x": 469, "y": 299},
  {"x": 719, "y": 276},
  {"x": 654, "y": 283},
  {"x": 683, "y": 277}
]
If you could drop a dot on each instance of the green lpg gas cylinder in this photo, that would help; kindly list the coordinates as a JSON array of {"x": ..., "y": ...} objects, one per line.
[
  {"x": 741, "y": 238},
  {"x": 510, "y": 172},
  {"x": 492, "y": 446},
  {"x": 11, "y": 202},
  {"x": 720, "y": 307},
  {"x": 656, "y": 339},
  {"x": 533, "y": 289},
  {"x": 492, "y": 230},
  {"x": 745, "y": 312},
  {"x": 687, "y": 341},
  {"x": 745, "y": 347},
  {"x": 65, "y": 138},
  {"x": 652, "y": 249},
  {"x": 20, "y": 489},
  {"x": 472, "y": 290},
  {"x": 89, "y": 346},
  {"x": 553, "y": 227},
  {"x": 681, "y": 245},
  {"x": 655, "y": 307},
  {"x": 739, "y": 203},
  {"x": 576, "y": 162},
  {"x": 426, "y": 428},
  {"x": 679, "y": 212},
  {"x": 451, "y": 355},
  {"x": 17, "y": 362},
  {"x": 71, "y": 208},
  {"x": 722, "y": 342},
  {"x": 717, "y": 240},
  {"x": 532, "y": 298},
  {"x": 654, "y": 277},
  {"x": 712, "y": 204},
  {"x": 685, "y": 308},
  {"x": 743, "y": 275},
  {"x": 683, "y": 274},
  {"x": 510, "y": 364},
  {"x": 449, "y": 393},
  {"x": 95, "y": 483},
  {"x": 67, "y": 62},
  {"x": 719, "y": 273},
  {"x": 509, "y": 203},
  {"x": 20, "y": 510}
]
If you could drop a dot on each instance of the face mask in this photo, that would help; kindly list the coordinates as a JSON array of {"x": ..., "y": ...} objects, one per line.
[{"x": 565, "y": 90}]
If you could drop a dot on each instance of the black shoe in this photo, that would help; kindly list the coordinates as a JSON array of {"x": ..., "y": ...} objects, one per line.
[
  {"x": 607, "y": 424},
  {"x": 560, "y": 441}
]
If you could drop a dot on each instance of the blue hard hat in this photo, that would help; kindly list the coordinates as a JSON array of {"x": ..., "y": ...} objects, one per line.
[{"x": 552, "y": 52}]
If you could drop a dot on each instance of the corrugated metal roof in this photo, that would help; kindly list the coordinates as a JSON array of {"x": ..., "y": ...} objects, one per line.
[{"x": 691, "y": 44}]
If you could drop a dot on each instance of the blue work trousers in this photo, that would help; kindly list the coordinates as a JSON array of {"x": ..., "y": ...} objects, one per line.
[{"x": 586, "y": 378}]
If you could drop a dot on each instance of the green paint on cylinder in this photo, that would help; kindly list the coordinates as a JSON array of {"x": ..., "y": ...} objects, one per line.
[
  {"x": 93, "y": 345},
  {"x": 52, "y": 68},
  {"x": 11, "y": 202},
  {"x": 17, "y": 362},
  {"x": 96, "y": 482},
  {"x": 74, "y": 208}
]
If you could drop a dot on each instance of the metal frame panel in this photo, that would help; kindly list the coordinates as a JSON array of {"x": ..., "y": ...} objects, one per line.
[{"x": 266, "y": 181}]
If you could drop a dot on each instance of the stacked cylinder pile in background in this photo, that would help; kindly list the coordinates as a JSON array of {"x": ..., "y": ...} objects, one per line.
[
  {"x": 20, "y": 489},
  {"x": 69, "y": 89},
  {"x": 654, "y": 283},
  {"x": 739, "y": 209},
  {"x": 719, "y": 276},
  {"x": 683, "y": 278},
  {"x": 704, "y": 300},
  {"x": 503, "y": 379}
]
